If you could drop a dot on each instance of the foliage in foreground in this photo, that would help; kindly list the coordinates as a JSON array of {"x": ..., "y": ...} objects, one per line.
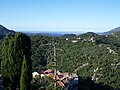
[{"x": 14, "y": 49}]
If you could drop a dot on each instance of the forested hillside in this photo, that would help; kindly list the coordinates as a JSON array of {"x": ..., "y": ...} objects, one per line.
[{"x": 88, "y": 55}]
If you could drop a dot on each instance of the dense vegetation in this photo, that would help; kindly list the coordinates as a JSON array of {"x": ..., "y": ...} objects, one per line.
[
  {"x": 88, "y": 55},
  {"x": 16, "y": 63}
]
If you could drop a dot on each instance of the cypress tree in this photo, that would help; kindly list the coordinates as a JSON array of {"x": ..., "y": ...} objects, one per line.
[
  {"x": 11, "y": 62},
  {"x": 24, "y": 80},
  {"x": 26, "y": 75},
  {"x": 14, "y": 48},
  {"x": 5, "y": 63}
]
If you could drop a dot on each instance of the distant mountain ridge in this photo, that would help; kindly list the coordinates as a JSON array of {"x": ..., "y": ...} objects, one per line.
[
  {"x": 4, "y": 30},
  {"x": 112, "y": 31}
]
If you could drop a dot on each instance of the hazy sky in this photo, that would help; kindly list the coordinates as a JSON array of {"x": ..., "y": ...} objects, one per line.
[{"x": 60, "y": 15}]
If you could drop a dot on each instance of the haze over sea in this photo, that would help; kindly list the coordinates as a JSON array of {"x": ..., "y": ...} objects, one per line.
[{"x": 58, "y": 31}]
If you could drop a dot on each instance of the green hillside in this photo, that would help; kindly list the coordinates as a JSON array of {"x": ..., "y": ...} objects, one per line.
[{"x": 88, "y": 55}]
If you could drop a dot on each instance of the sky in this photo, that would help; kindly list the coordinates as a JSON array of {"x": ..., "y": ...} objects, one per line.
[{"x": 60, "y": 15}]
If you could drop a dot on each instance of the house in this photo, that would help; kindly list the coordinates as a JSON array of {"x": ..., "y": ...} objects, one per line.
[
  {"x": 64, "y": 74},
  {"x": 55, "y": 77},
  {"x": 58, "y": 72},
  {"x": 60, "y": 84},
  {"x": 66, "y": 80},
  {"x": 42, "y": 75},
  {"x": 48, "y": 71},
  {"x": 34, "y": 74},
  {"x": 67, "y": 39},
  {"x": 62, "y": 79},
  {"x": 74, "y": 41},
  {"x": 78, "y": 38}
]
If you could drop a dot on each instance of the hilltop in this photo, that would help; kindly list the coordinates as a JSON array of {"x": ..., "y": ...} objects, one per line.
[
  {"x": 4, "y": 30},
  {"x": 112, "y": 31}
]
